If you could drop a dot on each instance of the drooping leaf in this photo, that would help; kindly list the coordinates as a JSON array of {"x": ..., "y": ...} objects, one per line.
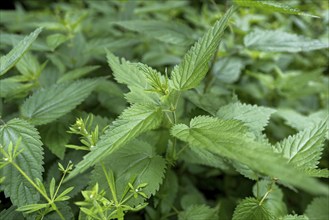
[
  {"x": 48, "y": 104},
  {"x": 55, "y": 137},
  {"x": 30, "y": 160},
  {"x": 132, "y": 122},
  {"x": 229, "y": 138},
  {"x": 279, "y": 41},
  {"x": 136, "y": 160},
  {"x": 304, "y": 148},
  {"x": 272, "y": 6},
  {"x": 294, "y": 217},
  {"x": 228, "y": 69},
  {"x": 9, "y": 60},
  {"x": 76, "y": 73},
  {"x": 250, "y": 208},
  {"x": 199, "y": 212},
  {"x": 255, "y": 117},
  {"x": 195, "y": 64},
  {"x": 165, "y": 31},
  {"x": 318, "y": 209}
]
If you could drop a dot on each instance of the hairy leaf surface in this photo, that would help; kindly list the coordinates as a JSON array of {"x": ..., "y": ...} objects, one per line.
[
  {"x": 250, "y": 208},
  {"x": 30, "y": 160},
  {"x": 9, "y": 60},
  {"x": 133, "y": 121},
  {"x": 318, "y": 209},
  {"x": 304, "y": 148},
  {"x": 48, "y": 104},
  {"x": 195, "y": 64},
  {"x": 228, "y": 138},
  {"x": 255, "y": 117}
]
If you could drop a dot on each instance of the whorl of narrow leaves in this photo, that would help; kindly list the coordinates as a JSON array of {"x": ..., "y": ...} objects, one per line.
[
  {"x": 133, "y": 121},
  {"x": 195, "y": 65},
  {"x": 48, "y": 104},
  {"x": 30, "y": 160},
  {"x": 228, "y": 138},
  {"x": 9, "y": 60}
]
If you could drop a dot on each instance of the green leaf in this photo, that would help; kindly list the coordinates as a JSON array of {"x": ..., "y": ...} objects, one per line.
[
  {"x": 274, "y": 201},
  {"x": 132, "y": 122},
  {"x": 136, "y": 160},
  {"x": 226, "y": 138},
  {"x": 11, "y": 214},
  {"x": 255, "y": 117},
  {"x": 249, "y": 209},
  {"x": 294, "y": 217},
  {"x": 55, "y": 137},
  {"x": 272, "y": 6},
  {"x": 76, "y": 73},
  {"x": 29, "y": 160},
  {"x": 228, "y": 69},
  {"x": 55, "y": 40},
  {"x": 279, "y": 41},
  {"x": 318, "y": 209},
  {"x": 195, "y": 65},
  {"x": 199, "y": 212},
  {"x": 165, "y": 31},
  {"x": 48, "y": 104},
  {"x": 32, "y": 207},
  {"x": 126, "y": 72},
  {"x": 9, "y": 60},
  {"x": 304, "y": 148}
]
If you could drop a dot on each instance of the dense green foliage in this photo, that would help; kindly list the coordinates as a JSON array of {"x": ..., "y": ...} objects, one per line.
[{"x": 165, "y": 110}]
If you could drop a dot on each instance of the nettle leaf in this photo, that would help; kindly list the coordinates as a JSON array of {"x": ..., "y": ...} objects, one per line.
[
  {"x": 229, "y": 138},
  {"x": 126, "y": 72},
  {"x": 48, "y": 104},
  {"x": 279, "y": 41},
  {"x": 165, "y": 31},
  {"x": 272, "y": 6},
  {"x": 294, "y": 217},
  {"x": 304, "y": 148},
  {"x": 318, "y": 209},
  {"x": 195, "y": 64},
  {"x": 274, "y": 200},
  {"x": 300, "y": 122},
  {"x": 55, "y": 137},
  {"x": 255, "y": 117},
  {"x": 11, "y": 214},
  {"x": 132, "y": 122},
  {"x": 197, "y": 212},
  {"x": 9, "y": 60},
  {"x": 30, "y": 160},
  {"x": 250, "y": 208},
  {"x": 136, "y": 160},
  {"x": 76, "y": 73}
]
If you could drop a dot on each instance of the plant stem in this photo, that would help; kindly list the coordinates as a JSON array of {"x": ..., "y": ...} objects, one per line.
[{"x": 50, "y": 202}]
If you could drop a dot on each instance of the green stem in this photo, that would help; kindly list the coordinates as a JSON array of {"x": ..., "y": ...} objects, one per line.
[{"x": 53, "y": 205}]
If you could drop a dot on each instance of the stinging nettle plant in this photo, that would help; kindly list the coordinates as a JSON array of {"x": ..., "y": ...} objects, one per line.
[{"x": 135, "y": 165}]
